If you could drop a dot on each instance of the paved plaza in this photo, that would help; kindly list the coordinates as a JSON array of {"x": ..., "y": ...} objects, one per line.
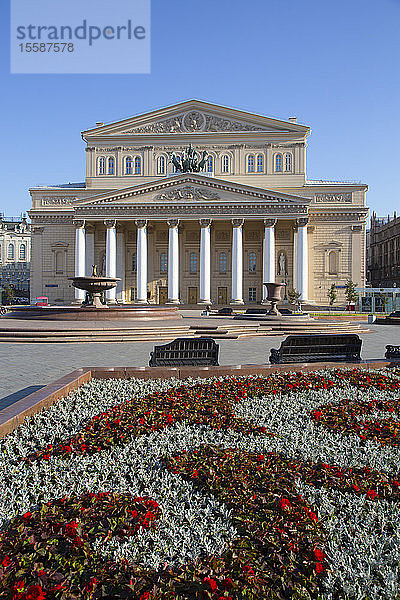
[{"x": 24, "y": 368}]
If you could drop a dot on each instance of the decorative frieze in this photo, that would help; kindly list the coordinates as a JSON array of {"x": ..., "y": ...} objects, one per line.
[
  {"x": 222, "y": 236},
  {"x": 192, "y": 236},
  {"x": 252, "y": 235},
  {"x": 282, "y": 234}
]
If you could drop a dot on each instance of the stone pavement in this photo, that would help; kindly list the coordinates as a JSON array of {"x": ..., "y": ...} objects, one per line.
[{"x": 24, "y": 368}]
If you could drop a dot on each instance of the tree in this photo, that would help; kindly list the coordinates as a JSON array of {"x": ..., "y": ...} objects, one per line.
[
  {"x": 350, "y": 291},
  {"x": 294, "y": 296},
  {"x": 332, "y": 295},
  {"x": 9, "y": 293}
]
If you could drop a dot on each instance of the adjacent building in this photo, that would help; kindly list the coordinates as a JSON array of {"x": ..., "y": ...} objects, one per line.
[
  {"x": 383, "y": 265},
  {"x": 215, "y": 236},
  {"x": 15, "y": 252}
]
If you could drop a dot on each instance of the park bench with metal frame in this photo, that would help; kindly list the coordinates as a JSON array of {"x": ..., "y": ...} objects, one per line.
[
  {"x": 318, "y": 348},
  {"x": 392, "y": 351},
  {"x": 197, "y": 352}
]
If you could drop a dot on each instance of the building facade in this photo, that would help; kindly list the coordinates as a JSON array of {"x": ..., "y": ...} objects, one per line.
[
  {"x": 210, "y": 237},
  {"x": 15, "y": 254},
  {"x": 383, "y": 263}
]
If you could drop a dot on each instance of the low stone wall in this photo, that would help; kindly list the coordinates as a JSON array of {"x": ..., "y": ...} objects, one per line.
[{"x": 12, "y": 416}]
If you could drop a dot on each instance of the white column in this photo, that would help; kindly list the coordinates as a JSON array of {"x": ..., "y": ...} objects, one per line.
[
  {"x": 302, "y": 259},
  {"x": 173, "y": 262},
  {"x": 295, "y": 259},
  {"x": 79, "y": 256},
  {"x": 269, "y": 255},
  {"x": 120, "y": 266},
  {"x": 141, "y": 262},
  {"x": 89, "y": 251},
  {"x": 111, "y": 256},
  {"x": 205, "y": 261},
  {"x": 237, "y": 262}
]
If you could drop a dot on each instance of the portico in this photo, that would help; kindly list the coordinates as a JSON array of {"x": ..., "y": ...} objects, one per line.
[{"x": 185, "y": 252}]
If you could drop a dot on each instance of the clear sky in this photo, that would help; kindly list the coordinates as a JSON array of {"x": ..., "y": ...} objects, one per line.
[{"x": 332, "y": 63}]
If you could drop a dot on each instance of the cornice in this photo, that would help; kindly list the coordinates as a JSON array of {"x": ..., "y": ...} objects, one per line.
[{"x": 181, "y": 210}]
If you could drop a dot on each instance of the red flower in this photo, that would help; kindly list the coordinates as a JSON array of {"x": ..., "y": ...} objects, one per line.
[
  {"x": 212, "y": 583},
  {"x": 317, "y": 414},
  {"x": 6, "y": 562},
  {"x": 248, "y": 570},
  {"x": 19, "y": 586},
  {"x": 260, "y": 457},
  {"x": 27, "y": 516},
  {"x": 144, "y": 596},
  {"x": 319, "y": 567},
  {"x": 227, "y": 583},
  {"x": 284, "y": 504},
  {"x": 35, "y": 592},
  {"x": 319, "y": 555},
  {"x": 372, "y": 494},
  {"x": 70, "y": 528},
  {"x": 262, "y": 429}
]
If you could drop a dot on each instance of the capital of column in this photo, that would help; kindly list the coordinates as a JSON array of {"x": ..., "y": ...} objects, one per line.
[
  {"x": 173, "y": 223},
  {"x": 141, "y": 223},
  {"x": 110, "y": 224},
  {"x": 302, "y": 222},
  {"x": 205, "y": 222},
  {"x": 237, "y": 222},
  {"x": 79, "y": 223},
  {"x": 269, "y": 222}
]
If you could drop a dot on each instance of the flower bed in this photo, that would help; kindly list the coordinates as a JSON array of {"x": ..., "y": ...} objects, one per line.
[{"x": 231, "y": 488}]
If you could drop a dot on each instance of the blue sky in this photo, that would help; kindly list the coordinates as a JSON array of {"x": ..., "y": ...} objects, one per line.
[{"x": 333, "y": 64}]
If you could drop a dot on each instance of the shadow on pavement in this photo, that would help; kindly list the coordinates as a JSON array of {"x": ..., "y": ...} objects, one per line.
[{"x": 11, "y": 398}]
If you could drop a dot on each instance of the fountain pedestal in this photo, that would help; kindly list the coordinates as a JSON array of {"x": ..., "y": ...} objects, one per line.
[{"x": 274, "y": 296}]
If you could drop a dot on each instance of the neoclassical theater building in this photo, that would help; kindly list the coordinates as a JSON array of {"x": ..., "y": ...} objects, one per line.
[{"x": 251, "y": 216}]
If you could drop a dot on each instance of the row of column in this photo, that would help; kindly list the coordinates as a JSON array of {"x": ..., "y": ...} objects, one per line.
[{"x": 300, "y": 270}]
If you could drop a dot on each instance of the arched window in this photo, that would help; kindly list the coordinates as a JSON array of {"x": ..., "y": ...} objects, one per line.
[
  {"x": 128, "y": 165},
  {"x": 102, "y": 166},
  {"x": 250, "y": 163},
  {"x": 288, "y": 162},
  {"x": 333, "y": 263},
  {"x": 210, "y": 164},
  {"x": 252, "y": 262},
  {"x": 163, "y": 262},
  {"x": 134, "y": 262},
  {"x": 161, "y": 165},
  {"x": 10, "y": 253},
  {"x": 260, "y": 163},
  {"x": 193, "y": 262},
  {"x": 22, "y": 252},
  {"x": 111, "y": 166},
  {"x": 138, "y": 165},
  {"x": 222, "y": 262},
  {"x": 225, "y": 164},
  {"x": 278, "y": 163}
]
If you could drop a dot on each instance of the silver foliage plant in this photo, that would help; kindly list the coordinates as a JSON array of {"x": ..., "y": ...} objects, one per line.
[{"x": 363, "y": 538}]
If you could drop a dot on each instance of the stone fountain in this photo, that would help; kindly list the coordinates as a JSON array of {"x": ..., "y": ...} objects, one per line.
[{"x": 94, "y": 287}]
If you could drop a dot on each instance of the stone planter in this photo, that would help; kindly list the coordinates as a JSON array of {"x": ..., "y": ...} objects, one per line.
[{"x": 274, "y": 296}]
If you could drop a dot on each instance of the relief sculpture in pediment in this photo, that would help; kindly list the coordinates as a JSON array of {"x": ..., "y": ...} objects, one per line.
[
  {"x": 194, "y": 121},
  {"x": 188, "y": 192}
]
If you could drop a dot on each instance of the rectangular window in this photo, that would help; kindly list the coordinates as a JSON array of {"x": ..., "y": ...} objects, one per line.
[{"x": 252, "y": 294}]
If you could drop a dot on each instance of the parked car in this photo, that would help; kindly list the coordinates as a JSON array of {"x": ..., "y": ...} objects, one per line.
[{"x": 41, "y": 301}]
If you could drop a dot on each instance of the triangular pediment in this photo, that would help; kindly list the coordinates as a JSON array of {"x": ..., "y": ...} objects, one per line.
[
  {"x": 190, "y": 187},
  {"x": 196, "y": 116}
]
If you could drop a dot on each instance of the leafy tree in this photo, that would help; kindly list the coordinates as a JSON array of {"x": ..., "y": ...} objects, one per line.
[
  {"x": 9, "y": 293},
  {"x": 332, "y": 294},
  {"x": 294, "y": 296},
  {"x": 350, "y": 291}
]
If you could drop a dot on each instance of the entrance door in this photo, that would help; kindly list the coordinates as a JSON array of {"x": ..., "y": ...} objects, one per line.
[
  {"x": 222, "y": 295},
  {"x": 162, "y": 294},
  {"x": 192, "y": 295}
]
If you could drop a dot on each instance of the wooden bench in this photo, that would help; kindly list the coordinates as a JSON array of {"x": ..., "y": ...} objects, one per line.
[
  {"x": 201, "y": 351},
  {"x": 317, "y": 348},
  {"x": 392, "y": 351}
]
